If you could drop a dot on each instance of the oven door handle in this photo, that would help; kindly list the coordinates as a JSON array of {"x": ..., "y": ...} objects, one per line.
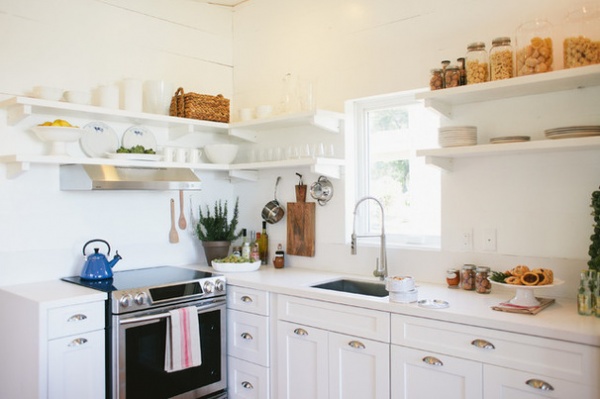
[{"x": 164, "y": 315}]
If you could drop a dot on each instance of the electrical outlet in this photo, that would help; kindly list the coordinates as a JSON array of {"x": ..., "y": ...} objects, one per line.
[
  {"x": 489, "y": 240},
  {"x": 467, "y": 240}
]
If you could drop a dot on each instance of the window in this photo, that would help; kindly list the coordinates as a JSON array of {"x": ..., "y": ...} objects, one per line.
[{"x": 389, "y": 130}]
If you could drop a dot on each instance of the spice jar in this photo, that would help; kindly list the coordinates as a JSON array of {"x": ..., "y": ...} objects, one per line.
[
  {"x": 581, "y": 45},
  {"x": 534, "y": 48},
  {"x": 279, "y": 260},
  {"x": 452, "y": 76},
  {"x": 452, "y": 278},
  {"x": 467, "y": 277},
  {"x": 482, "y": 284},
  {"x": 501, "y": 59},
  {"x": 436, "y": 81},
  {"x": 477, "y": 63}
]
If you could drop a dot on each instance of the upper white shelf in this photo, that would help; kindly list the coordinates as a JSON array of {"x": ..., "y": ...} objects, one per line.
[
  {"x": 443, "y": 157},
  {"x": 567, "y": 79}
]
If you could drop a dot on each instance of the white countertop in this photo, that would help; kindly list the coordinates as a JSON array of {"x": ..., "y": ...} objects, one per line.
[
  {"x": 55, "y": 293},
  {"x": 559, "y": 321}
]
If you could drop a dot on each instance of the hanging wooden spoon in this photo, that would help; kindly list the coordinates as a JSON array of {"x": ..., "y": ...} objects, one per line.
[
  {"x": 182, "y": 222},
  {"x": 173, "y": 236}
]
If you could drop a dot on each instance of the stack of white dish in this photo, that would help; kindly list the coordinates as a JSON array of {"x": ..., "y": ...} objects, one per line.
[
  {"x": 401, "y": 288},
  {"x": 454, "y": 136},
  {"x": 572, "y": 132}
]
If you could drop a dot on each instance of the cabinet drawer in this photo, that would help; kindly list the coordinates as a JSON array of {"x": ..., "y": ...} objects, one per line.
[
  {"x": 503, "y": 383},
  {"x": 565, "y": 360},
  {"x": 75, "y": 319},
  {"x": 248, "y": 337},
  {"x": 349, "y": 320},
  {"x": 247, "y": 380},
  {"x": 248, "y": 300}
]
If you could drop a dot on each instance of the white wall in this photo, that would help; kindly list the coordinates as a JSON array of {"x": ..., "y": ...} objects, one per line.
[{"x": 350, "y": 49}]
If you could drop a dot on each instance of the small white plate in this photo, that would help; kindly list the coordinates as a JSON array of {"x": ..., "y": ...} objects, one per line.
[
  {"x": 236, "y": 267},
  {"x": 98, "y": 139},
  {"x": 433, "y": 303},
  {"x": 139, "y": 135},
  {"x": 134, "y": 156}
]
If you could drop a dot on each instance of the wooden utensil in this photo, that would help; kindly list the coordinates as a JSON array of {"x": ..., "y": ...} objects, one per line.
[
  {"x": 173, "y": 236},
  {"x": 301, "y": 228},
  {"x": 182, "y": 222}
]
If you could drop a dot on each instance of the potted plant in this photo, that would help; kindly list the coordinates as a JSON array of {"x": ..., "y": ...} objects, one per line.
[{"x": 216, "y": 231}]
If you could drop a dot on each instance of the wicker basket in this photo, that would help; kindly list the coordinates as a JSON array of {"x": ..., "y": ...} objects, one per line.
[{"x": 199, "y": 106}]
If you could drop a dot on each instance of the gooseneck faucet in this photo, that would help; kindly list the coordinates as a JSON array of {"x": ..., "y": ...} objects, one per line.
[{"x": 381, "y": 267}]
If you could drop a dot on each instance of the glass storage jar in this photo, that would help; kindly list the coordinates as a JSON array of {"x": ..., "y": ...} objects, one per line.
[
  {"x": 482, "y": 284},
  {"x": 452, "y": 76},
  {"x": 452, "y": 278},
  {"x": 461, "y": 68},
  {"x": 581, "y": 45},
  {"x": 534, "y": 48},
  {"x": 477, "y": 63},
  {"x": 436, "y": 81},
  {"x": 501, "y": 59},
  {"x": 467, "y": 277}
]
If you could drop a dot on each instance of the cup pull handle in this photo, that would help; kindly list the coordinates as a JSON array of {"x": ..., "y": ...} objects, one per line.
[
  {"x": 246, "y": 336},
  {"x": 539, "y": 384},
  {"x": 300, "y": 331},
  {"x": 77, "y": 342},
  {"x": 76, "y": 317},
  {"x": 483, "y": 344},
  {"x": 246, "y": 299},
  {"x": 434, "y": 361},
  {"x": 247, "y": 385},
  {"x": 356, "y": 345}
]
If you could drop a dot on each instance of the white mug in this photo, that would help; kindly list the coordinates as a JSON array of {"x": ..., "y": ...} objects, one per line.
[
  {"x": 193, "y": 155},
  {"x": 108, "y": 96},
  {"x": 180, "y": 154}
]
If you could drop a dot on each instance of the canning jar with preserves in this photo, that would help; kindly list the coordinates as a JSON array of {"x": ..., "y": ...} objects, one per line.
[
  {"x": 534, "y": 48},
  {"x": 452, "y": 76},
  {"x": 477, "y": 63},
  {"x": 452, "y": 278},
  {"x": 501, "y": 59},
  {"x": 467, "y": 277},
  {"x": 581, "y": 45},
  {"x": 482, "y": 284}
]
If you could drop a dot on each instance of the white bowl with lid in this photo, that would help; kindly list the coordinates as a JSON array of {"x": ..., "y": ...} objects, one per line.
[{"x": 399, "y": 283}]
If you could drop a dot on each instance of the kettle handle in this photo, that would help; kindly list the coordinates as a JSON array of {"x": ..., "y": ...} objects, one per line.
[{"x": 96, "y": 240}]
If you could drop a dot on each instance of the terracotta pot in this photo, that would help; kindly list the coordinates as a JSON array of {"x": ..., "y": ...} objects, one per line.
[{"x": 215, "y": 250}]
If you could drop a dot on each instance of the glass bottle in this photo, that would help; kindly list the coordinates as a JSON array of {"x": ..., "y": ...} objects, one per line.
[
  {"x": 477, "y": 64},
  {"x": 279, "y": 260},
  {"x": 263, "y": 245},
  {"x": 501, "y": 59},
  {"x": 461, "y": 68},
  {"x": 534, "y": 48},
  {"x": 584, "y": 296},
  {"x": 452, "y": 278},
  {"x": 245, "y": 245}
]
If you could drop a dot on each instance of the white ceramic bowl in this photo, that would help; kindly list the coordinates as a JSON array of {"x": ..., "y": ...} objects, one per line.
[
  {"x": 221, "y": 153},
  {"x": 399, "y": 283},
  {"x": 58, "y": 136},
  {"x": 78, "y": 97},
  {"x": 48, "y": 93},
  {"x": 235, "y": 267}
]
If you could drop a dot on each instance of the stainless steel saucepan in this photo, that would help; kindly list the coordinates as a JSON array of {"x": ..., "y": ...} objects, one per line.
[{"x": 273, "y": 211}]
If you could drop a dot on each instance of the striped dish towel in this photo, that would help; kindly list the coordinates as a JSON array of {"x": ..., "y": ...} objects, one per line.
[{"x": 183, "y": 340}]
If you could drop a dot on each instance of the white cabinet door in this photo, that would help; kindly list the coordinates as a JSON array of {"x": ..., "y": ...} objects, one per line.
[
  {"x": 418, "y": 374},
  {"x": 504, "y": 383},
  {"x": 76, "y": 366},
  {"x": 358, "y": 368},
  {"x": 302, "y": 364}
]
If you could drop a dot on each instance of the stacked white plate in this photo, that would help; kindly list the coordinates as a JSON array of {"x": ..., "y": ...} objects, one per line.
[
  {"x": 402, "y": 289},
  {"x": 455, "y": 136},
  {"x": 572, "y": 131}
]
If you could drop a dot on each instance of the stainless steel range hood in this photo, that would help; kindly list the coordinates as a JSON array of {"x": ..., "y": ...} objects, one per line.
[{"x": 110, "y": 177}]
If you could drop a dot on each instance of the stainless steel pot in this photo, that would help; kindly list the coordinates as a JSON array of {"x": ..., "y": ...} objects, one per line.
[
  {"x": 322, "y": 190},
  {"x": 273, "y": 211}
]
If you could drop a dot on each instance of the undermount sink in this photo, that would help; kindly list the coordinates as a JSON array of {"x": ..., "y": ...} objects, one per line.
[{"x": 355, "y": 287}]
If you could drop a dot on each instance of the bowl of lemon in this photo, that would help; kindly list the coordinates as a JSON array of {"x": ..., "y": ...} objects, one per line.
[{"x": 58, "y": 133}]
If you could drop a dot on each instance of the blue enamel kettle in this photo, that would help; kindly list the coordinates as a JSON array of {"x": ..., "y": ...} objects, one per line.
[{"x": 96, "y": 266}]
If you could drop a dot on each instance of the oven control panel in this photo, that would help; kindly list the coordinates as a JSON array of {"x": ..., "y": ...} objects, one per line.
[{"x": 143, "y": 298}]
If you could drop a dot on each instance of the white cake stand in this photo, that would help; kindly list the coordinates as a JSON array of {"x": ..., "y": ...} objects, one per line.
[{"x": 524, "y": 294}]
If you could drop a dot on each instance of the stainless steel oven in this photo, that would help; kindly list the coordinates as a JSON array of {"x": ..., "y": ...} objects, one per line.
[
  {"x": 138, "y": 306},
  {"x": 139, "y": 340}
]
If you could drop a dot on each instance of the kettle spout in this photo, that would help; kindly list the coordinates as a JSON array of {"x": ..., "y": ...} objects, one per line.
[{"x": 114, "y": 260}]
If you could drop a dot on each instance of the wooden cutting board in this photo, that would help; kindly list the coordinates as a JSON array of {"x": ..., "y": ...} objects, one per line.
[{"x": 301, "y": 228}]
